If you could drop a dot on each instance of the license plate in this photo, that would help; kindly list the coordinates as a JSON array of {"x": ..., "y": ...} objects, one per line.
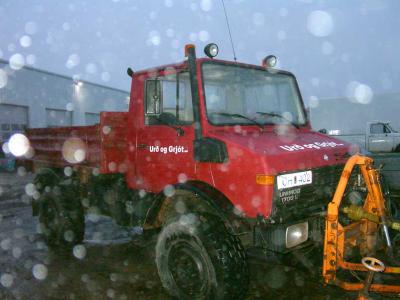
[{"x": 294, "y": 179}]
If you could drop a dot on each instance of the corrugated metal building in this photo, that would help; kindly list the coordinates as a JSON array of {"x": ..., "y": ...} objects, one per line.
[
  {"x": 343, "y": 116},
  {"x": 35, "y": 98}
]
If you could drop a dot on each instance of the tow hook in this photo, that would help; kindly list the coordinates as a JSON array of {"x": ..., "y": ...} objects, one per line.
[{"x": 373, "y": 265}]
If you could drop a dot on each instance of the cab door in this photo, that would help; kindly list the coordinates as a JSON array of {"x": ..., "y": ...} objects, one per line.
[
  {"x": 380, "y": 139},
  {"x": 165, "y": 137}
]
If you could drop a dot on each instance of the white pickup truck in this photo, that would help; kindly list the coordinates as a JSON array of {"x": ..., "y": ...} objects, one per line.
[{"x": 379, "y": 137}]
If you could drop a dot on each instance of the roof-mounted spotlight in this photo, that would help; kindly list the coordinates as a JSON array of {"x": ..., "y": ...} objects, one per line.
[
  {"x": 270, "y": 61},
  {"x": 211, "y": 50}
]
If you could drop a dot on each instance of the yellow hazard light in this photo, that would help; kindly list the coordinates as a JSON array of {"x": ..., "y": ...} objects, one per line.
[
  {"x": 187, "y": 47},
  {"x": 265, "y": 179}
]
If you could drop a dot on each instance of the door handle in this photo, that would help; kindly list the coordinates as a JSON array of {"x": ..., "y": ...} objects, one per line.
[{"x": 141, "y": 146}]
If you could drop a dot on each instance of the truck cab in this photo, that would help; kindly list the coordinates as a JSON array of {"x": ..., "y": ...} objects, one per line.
[
  {"x": 237, "y": 128},
  {"x": 381, "y": 137}
]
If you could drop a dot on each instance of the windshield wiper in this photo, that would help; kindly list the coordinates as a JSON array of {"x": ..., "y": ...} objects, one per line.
[
  {"x": 272, "y": 114},
  {"x": 239, "y": 116}
]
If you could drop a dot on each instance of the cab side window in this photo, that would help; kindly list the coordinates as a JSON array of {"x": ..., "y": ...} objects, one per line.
[
  {"x": 153, "y": 97},
  {"x": 377, "y": 128},
  {"x": 168, "y": 95}
]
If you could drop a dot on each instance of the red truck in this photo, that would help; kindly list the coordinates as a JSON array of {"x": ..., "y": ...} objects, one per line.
[{"x": 218, "y": 157}]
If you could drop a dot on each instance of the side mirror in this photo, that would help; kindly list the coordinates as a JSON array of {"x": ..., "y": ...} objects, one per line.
[{"x": 129, "y": 71}]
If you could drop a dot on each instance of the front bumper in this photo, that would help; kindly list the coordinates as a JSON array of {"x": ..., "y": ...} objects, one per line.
[{"x": 286, "y": 237}]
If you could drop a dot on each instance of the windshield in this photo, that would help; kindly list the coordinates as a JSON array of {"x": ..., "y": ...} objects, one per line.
[
  {"x": 239, "y": 95},
  {"x": 391, "y": 128}
]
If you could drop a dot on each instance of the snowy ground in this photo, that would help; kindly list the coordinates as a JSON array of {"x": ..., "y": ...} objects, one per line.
[{"x": 112, "y": 263}]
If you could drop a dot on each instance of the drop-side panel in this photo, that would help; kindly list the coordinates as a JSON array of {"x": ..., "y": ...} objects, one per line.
[{"x": 101, "y": 146}]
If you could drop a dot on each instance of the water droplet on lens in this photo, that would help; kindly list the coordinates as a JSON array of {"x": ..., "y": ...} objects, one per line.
[
  {"x": 206, "y": 5},
  {"x": 69, "y": 235},
  {"x": 68, "y": 171},
  {"x": 258, "y": 19},
  {"x": 30, "y": 28},
  {"x": 204, "y": 36},
  {"x": 110, "y": 293},
  {"x": 30, "y": 189},
  {"x": 25, "y": 41},
  {"x": 17, "y": 61},
  {"x": 6, "y": 280},
  {"x": 40, "y": 271},
  {"x": 16, "y": 252},
  {"x": 169, "y": 190},
  {"x": 18, "y": 144},
  {"x": 5, "y": 244},
  {"x": 182, "y": 178},
  {"x": 79, "y": 251},
  {"x": 320, "y": 23}
]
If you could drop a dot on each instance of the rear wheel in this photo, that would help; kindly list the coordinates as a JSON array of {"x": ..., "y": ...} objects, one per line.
[
  {"x": 61, "y": 215},
  {"x": 197, "y": 258}
]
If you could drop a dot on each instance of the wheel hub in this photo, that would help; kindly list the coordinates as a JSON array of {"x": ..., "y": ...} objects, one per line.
[{"x": 189, "y": 269}]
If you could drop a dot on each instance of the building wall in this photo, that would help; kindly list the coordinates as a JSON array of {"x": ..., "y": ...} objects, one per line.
[
  {"x": 49, "y": 97},
  {"x": 350, "y": 117}
]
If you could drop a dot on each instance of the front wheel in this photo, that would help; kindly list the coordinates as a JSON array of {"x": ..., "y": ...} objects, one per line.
[{"x": 197, "y": 258}]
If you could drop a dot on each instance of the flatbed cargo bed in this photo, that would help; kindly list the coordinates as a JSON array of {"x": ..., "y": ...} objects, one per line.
[{"x": 102, "y": 146}]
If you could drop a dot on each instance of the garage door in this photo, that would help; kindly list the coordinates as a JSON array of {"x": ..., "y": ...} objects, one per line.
[
  {"x": 58, "y": 117},
  {"x": 13, "y": 119},
  {"x": 92, "y": 118}
]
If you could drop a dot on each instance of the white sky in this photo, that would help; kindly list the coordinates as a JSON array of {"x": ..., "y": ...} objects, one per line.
[{"x": 329, "y": 45}]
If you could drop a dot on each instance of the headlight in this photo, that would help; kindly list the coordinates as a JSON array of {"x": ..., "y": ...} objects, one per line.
[{"x": 296, "y": 234}]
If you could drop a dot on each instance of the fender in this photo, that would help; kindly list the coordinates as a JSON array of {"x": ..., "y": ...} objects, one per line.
[{"x": 213, "y": 201}]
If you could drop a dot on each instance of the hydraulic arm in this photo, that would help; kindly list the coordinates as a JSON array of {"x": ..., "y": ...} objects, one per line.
[{"x": 361, "y": 234}]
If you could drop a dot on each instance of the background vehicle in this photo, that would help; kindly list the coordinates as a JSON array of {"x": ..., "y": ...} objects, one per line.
[
  {"x": 379, "y": 137},
  {"x": 216, "y": 156},
  {"x": 389, "y": 165}
]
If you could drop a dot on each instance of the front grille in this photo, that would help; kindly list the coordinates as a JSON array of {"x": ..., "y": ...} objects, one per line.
[{"x": 306, "y": 200}]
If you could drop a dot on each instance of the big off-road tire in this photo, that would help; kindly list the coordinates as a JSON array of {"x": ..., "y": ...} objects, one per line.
[
  {"x": 61, "y": 214},
  {"x": 197, "y": 258}
]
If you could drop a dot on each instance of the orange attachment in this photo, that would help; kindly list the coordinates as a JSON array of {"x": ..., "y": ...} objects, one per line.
[{"x": 362, "y": 233}]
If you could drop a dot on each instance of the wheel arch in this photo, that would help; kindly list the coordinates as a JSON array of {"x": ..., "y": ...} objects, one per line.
[{"x": 206, "y": 198}]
